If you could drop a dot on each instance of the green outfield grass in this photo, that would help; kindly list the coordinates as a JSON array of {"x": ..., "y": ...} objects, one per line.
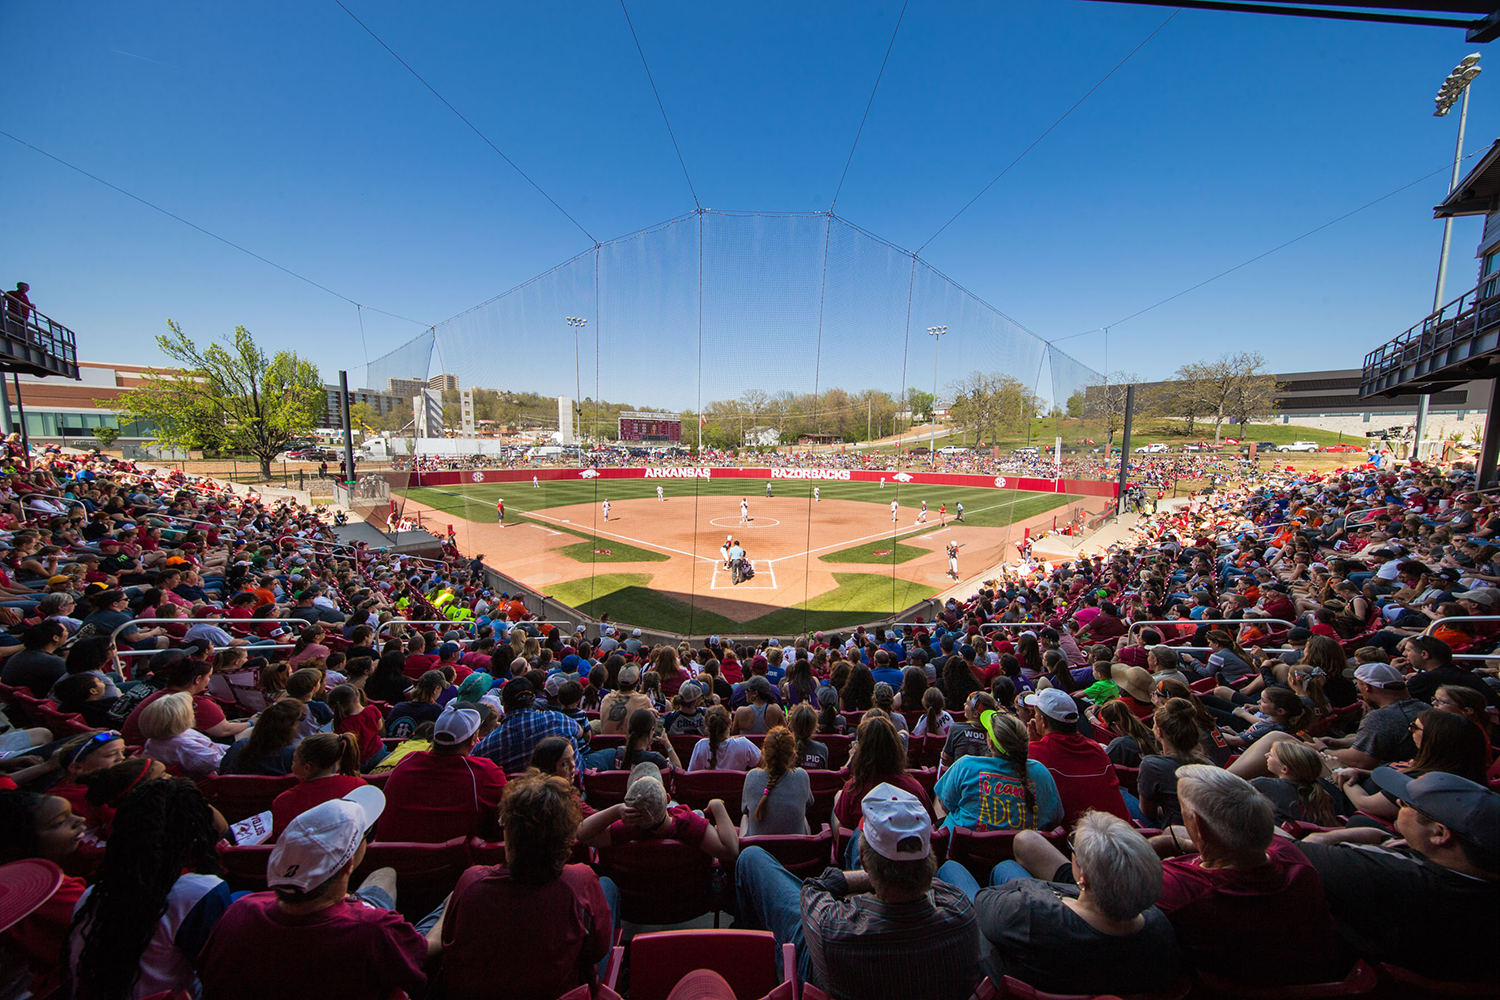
[
  {"x": 983, "y": 507},
  {"x": 628, "y": 598}
]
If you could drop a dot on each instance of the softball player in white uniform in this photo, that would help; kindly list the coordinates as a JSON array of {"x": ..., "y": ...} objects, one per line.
[
  {"x": 895, "y": 508},
  {"x": 606, "y": 510},
  {"x": 744, "y": 511},
  {"x": 660, "y": 494}
]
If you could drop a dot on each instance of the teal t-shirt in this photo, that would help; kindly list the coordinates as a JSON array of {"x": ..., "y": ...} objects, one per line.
[{"x": 987, "y": 793}]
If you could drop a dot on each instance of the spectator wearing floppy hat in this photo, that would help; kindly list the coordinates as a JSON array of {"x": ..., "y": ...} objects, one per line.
[{"x": 1135, "y": 684}]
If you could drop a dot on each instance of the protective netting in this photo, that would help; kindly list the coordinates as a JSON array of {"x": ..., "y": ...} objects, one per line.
[{"x": 780, "y": 341}]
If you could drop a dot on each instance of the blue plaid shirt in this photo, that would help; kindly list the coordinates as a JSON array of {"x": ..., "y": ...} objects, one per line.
[{"x": 512, "y": 742}]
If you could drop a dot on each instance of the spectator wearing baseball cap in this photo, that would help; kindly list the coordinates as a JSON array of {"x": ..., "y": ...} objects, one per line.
[
  {"x": 617, "y": 706},
  {"x": 438, "y": 794},
  {"x": 888, "y": 930},
  {"x": 1429, "y": 901},
  {"x": 523, "y": 727},
  {"x": 365, "y": 950},
  {"x": 565, "y": 913},
  {"x": 1384, "y": 734},
  {"x": 1082, "y": 771},
  {"x": 1007, "y": 791},
  {"x": 689, "y": 716}
]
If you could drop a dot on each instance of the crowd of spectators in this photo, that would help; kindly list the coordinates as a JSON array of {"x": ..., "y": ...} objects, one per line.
[{"x": 1254, "y": 742}]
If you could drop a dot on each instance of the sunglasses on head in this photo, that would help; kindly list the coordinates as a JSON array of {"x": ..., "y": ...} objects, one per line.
[{"x": 93, "y": 743}]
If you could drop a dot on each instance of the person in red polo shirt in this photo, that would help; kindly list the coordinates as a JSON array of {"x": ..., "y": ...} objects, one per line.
[
  {"x": 1083, "y": 772},
  {"x": 418, "y": 660},
  {"x": 438, "y": 794}
]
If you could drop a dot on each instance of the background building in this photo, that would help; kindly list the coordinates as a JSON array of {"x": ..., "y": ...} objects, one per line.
[
  {"x": 405, "y": 387},
  {"x": 443, "y": 383},
  {"x": 380, "y": 402},
  {"x": 62, "y": 410}
]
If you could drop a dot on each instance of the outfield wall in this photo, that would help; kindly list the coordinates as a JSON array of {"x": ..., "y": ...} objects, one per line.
[{"x": 1076, "y": 487}]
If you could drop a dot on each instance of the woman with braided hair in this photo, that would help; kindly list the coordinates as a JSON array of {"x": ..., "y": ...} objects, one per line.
[
  {"x": 776, "y": 794},
  {"x": 1008, "y": 791},
  {"x": 139, "y": 929}
]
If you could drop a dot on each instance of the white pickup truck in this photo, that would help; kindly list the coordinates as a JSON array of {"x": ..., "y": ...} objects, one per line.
[
  {"x": 1298, "y": 446},
  {"x": 1152, "y": 449}
]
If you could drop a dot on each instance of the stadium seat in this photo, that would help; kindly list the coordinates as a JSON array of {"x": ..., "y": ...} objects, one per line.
[
  {"x": 245, "y": 867},
  {"x": 924, "y": 776},
  {"x": 1127, "y": 777},
  {"x": 1016, "y": 990},
  {"x": 803, "y": 855},
  {"x": 239, "y": 796},
  {"x": 607, "y": 788},
  {"x": 825, "y": 786},
  {"x": 981, "y": 850},
  {"x": 1396, "y": 981},
  {"x": 697, "y": 788},
  {"x": 838, "y": 749},
  {"x": 425, "y": 873},
  {"x": 660, "y": 881},
  {"x": 683, "y": 744},
  {"x": 486, "y": 852},
  {"x": 746, "y": 959},
  {"x": 1204, "y": 686},
  {"x": 614, "y": 742},
  {"x": 925, "y": 751},
  {"x": 63, "y": 724},
  {"x": 1360, "y": 982}
]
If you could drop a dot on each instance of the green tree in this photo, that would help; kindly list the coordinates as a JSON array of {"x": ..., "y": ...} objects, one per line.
[
  {"x": 106, "y": 436},
  {"x": 920, "y": 403},
  {"x": 228, "y": 396},
  {"x": 1076, "y": 403}
]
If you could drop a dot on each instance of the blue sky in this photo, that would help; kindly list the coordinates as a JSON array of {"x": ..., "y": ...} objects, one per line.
[{"x": 285, "y": 128}]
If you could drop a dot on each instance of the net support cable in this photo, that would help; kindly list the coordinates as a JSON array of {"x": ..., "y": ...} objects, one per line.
[
  {"x": 868, "y": 105},
  {"x": 652, "y": 80}
]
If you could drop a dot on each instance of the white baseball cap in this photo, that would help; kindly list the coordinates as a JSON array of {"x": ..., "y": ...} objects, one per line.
[
  {"x": 321, "y": 841},
  {"x": 456, "y": 723},
  {"x": 892, "y": 815},
  {"x": 1054, "y": 703}
]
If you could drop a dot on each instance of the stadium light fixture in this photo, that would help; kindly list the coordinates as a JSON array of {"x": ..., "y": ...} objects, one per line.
[
  {"x": 936, "y": 332},
  {"x": 1454, "y": 87}
]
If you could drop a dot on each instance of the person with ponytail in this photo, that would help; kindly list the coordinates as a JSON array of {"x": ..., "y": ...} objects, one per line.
[
  {"x": 1008, "y": 791},
  {"x": 1296, "y": 786},
  {"x": 811, "y": 753},
  {"x": 1228, "y": 661},
  {"x": 352, "y": 715},
  {"x": 718, "y": 751},
  {"x": 830, "y": 720},
  {"x": 327, "y": 767},
  {"x": 934, "y": 721},
  {"x": 138, "y": 930},
  {"x": 1177, "y": 733},
  {"x": 640, "y": 737},
  {"x": 777, "y": 793}
]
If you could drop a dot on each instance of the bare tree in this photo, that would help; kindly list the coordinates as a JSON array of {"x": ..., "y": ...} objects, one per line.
[
  {"x": 1104, "y": 399},
  {"x": 1236, "y": 386}
]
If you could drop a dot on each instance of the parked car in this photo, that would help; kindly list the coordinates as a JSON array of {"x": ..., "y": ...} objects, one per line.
[
  {"x": 1298, "y": 446},
  {"x": 1342, "y": 449},
  {"x": 1260, "y": 447},
  {"x": 952, "y": 449},
  {"x": 1155, "y": 448}
]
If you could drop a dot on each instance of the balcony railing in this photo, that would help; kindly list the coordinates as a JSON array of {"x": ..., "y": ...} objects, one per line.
[
  {"x": 1460, "y": 331},
  {"x": 36, "y": 344}
]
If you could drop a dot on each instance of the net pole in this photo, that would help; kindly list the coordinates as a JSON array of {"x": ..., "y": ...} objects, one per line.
[{"x": 817, "y": 373}]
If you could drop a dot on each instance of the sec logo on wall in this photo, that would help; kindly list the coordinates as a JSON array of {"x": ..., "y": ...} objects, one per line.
[
  {"x": 478, "y": 477},
  {"x": 1000, "y": 482}
]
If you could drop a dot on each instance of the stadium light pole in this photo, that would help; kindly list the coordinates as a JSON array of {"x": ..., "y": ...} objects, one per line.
[
  {"x": 936, "y": 332},
  {"x": 1455, "y": 89},
  {"x": 577, "y": 323}
]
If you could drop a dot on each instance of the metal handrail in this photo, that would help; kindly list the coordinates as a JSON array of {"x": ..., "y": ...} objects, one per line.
[
  {"x": 1211, "y": 622},
  {"x": 380, "y": 630},
  {"x": 216, "y": 649},
  {"x": 1000, "y": 625},
  {"x": 238, "y": 622}
]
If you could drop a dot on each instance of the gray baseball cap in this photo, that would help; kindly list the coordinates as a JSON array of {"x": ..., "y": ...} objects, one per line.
[{"x": 1463, "y": 806}]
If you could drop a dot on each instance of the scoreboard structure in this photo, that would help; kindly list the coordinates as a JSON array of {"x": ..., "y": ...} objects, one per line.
[{"x": 647, "y": 426}]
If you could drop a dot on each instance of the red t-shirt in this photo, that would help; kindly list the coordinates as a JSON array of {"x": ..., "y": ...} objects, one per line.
[
  {"x": 206, "y": 715},
  {"x": 299, "y": 799},
  {"x": 430, "y": 798},
  {"x": 418, "y": 664},
  {"x": 1222, "y": 915},
  {"x": 359, "y": 952},
  {"x": 565, "y": 924},
  {"x": 1084, "y": 775},
  {"x": 688, "y": 826},
  {"x": 851, "y": 800},
  {"x": 366, "y": 726}
]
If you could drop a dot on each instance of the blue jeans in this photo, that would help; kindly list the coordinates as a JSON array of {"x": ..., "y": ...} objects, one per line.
[
  {"x": 612, "y": 897},
  {"x": 770, "y": 899},
  {"x": 959, "y": 877}
]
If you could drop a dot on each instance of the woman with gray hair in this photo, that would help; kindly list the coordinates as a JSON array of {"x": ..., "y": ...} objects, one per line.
[{"x": 1088, "y": 925}]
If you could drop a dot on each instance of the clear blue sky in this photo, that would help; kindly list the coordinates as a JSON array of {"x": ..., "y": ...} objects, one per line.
[{"x": 285, "y": 128}]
